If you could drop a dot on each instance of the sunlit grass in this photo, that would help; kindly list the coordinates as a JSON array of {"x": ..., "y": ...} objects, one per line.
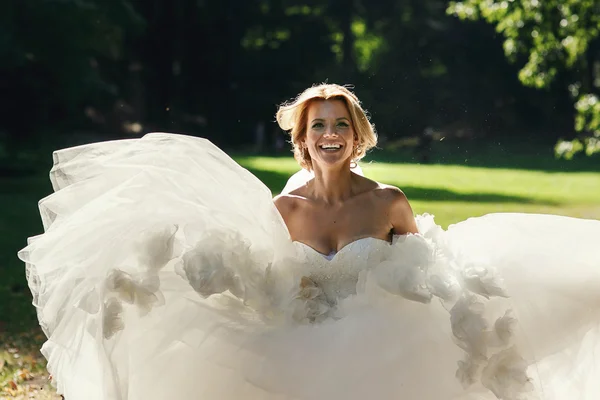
[{"x": 453, "y": 193}]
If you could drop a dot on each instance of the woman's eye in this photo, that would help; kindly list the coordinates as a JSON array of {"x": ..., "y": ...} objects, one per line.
[
  {"x": 317, "y": 125},
  {"x": 343, "y": 124}
]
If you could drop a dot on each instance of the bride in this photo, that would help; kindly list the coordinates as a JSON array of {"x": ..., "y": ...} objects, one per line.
[{"x": 166, "y": 271}]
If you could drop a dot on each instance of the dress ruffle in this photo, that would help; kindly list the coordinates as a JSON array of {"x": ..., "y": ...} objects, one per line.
[{"x": 165, "y": 271}]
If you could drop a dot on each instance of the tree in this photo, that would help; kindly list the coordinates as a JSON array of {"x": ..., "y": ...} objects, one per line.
[
  {"x": 561, "y": 44},
  {"x": 53, "y": 53}
]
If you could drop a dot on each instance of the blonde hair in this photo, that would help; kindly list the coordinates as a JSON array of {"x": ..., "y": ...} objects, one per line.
[{"x": 293, "y": 117}]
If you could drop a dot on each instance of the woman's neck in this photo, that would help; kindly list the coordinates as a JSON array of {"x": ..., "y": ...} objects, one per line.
[{"x": 331, "y": 185}]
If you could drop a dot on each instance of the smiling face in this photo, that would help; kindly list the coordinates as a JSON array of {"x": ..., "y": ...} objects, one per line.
[{"x": 330, "y": 136}]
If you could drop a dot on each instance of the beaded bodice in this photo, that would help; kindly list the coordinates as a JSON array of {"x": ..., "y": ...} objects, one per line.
[{"x": 337, "y": 274}]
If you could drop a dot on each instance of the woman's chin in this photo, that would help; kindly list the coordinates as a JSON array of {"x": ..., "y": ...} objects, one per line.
[
  {"x": 332, "y": 159},
  {"x": 327, "y": 164}
]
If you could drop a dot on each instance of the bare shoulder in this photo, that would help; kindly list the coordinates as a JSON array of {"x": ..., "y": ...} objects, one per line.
[
  {"x": 391, "y": 195},
  {"x": 285, "y": 204},
  {"x": 399, "y": 210},
  {"x": 389, "y": 192},
  {"x": 288, "y": 203}
]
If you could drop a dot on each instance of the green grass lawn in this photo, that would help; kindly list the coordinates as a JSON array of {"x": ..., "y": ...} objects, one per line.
[
  {"x": 453, "y": 193},
  {"x": 491, "y": 181}
]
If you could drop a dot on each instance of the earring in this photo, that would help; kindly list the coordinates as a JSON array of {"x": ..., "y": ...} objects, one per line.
[{"x": 353, "y": 163}]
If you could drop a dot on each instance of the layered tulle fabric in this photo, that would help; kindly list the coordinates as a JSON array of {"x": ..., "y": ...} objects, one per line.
[{"x": 166, "y": 272}]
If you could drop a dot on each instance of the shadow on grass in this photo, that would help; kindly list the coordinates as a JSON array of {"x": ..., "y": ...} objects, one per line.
[
  {"x": 438, "y": 194},
  {"x": 524, "y": 153},
  {"x": 276, "y": 181},
  {"x": 491, "y": 154},
  {"x": 479, "y": 156},
  {"x": 19, "y": 219}
]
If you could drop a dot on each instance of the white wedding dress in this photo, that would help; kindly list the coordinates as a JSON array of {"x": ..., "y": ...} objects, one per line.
[{"x": 165, "y": 272}]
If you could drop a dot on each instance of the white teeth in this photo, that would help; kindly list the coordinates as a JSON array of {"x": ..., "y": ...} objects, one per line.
[{"x": 330, "y": 146}]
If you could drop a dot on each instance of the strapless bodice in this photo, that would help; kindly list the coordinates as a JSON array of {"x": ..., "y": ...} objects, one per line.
[{"x": 337, "y": 273}]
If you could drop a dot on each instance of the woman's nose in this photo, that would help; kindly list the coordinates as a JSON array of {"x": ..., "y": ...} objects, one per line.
[{"x": 330, "y": 131}]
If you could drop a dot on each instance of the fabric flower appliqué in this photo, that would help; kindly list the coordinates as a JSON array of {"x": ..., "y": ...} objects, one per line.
[{"x": 506, "y": 375}]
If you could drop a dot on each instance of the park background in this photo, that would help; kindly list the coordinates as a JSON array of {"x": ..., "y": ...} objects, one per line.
[{"x": 481, "y": 105}]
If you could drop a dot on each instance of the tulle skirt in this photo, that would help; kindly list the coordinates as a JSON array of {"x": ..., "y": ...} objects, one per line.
[{"x": 129, "y": 316}]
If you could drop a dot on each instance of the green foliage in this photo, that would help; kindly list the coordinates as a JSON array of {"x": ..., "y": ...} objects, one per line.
[
  {"x": 554, "y": 35},
  {"x": 366, "y": 44},
  {"x": 217, "y": 70},
  {"x": 52, "y": 56},
  {"x": 587, "y": 120}
]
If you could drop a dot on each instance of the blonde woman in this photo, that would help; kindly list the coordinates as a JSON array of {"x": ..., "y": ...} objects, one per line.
[
  {"x": 167, "y": 271},
  {"x": 329, "y": 132}
]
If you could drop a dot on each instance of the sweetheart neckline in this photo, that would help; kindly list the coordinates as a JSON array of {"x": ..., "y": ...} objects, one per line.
[{"x": 333, "y": 255}]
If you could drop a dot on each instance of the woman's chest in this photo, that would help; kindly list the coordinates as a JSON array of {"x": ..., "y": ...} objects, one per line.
[{"x": 328, "y": 229}]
